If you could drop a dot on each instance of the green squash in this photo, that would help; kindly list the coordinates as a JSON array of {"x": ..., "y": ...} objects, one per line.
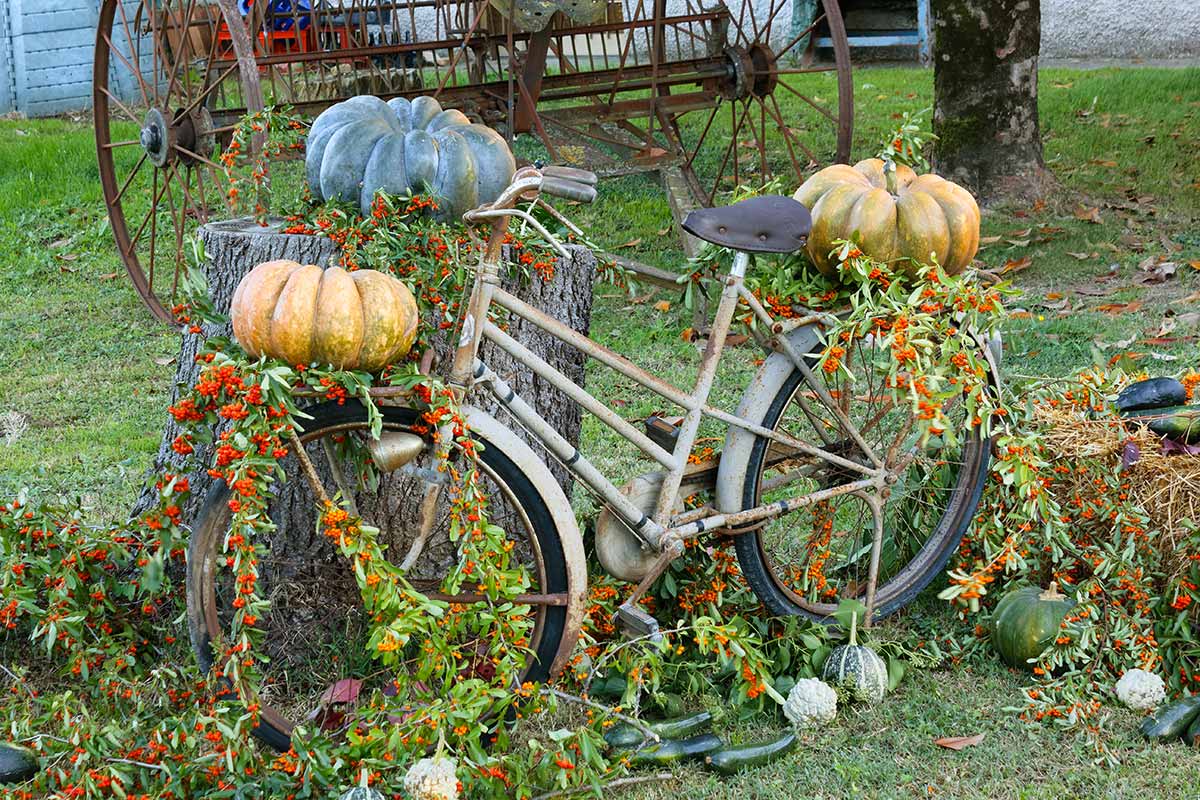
[
  {"x": 1151, "y": 393},
  {"x": 362, "y": 145},
  {"x": 361, "y": 793},
  {"x": 1026, "y": 621},
  {"x": 17, "y": 764},
  {"x": 1181, "y": 423},
  {"x": 857, "y": 666}
]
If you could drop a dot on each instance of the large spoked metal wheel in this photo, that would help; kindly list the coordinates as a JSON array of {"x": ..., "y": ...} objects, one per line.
[
  {"x": 170, "y": 80},
  {"x": 778, "y": 112},
  {"x": 807, "y": 561},
  {"x": 316, "y": 632}
]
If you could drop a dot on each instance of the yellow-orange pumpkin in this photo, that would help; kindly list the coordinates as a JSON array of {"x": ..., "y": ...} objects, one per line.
[
  {"x": 897, "y": 214},
  {"x": 304, "y": 314}
]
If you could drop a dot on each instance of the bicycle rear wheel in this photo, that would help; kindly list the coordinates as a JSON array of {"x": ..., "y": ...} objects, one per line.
[
  {"x": 805, "y": 562},
  {"x": 316, "y": 631}
]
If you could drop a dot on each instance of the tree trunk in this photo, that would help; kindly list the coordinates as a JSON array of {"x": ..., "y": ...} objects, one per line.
[
  {"x": 235, "y": 247},
  {"x": 985, "y": 97}
]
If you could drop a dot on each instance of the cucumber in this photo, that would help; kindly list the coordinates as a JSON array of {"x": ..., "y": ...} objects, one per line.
[
  {"x": 1171, "y": 722},
  {"x": 1193, "y": 733},
  {"x": 1181, "y": 423},
  {"x": 623, "y": 736},
  {"x": 1151, "y": 393},
  {"x": 682, "y": 727},
  {"x": 669, "y": 751},
  {"x": 729, "y": 760}
]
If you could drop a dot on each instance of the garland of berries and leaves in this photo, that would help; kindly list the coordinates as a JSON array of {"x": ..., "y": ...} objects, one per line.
[{"x": 258, "y": 139}]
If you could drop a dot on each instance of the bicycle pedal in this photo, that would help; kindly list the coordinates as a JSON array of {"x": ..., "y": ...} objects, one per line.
[
  {"x": 663, "y": 431},
  {"x": 638, "y": 623}
]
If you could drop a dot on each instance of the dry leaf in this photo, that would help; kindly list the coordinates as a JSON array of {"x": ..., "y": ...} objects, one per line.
[
  {"x": 1094, "y": 291},
  {"x": 1083, "y": 256},
  {"x": 983, "y": 240},
  {"x": 1018, "y": 242},
  {"x": 1120, "y": 308},
  {"x": 958, "y": 742},
  {"x": 662, "y": 305},
  {"x": 1194, "y": 264},
  {"x": 1014, "y": 265},
  {"x": 163, "y": 361},
  {"x": 630, "y": 243},
  {"x": 1102, "y": 163},
  {"x": 688, "y": 335},
  {"x": 662, "y": 231},
  {"x": 1054, "y": 295},
  {"x": 1086, "y": 214},
  {"x": 734, "y": 339}
]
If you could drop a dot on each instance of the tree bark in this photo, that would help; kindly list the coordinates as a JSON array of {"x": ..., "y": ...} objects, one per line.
[
  {"x": 985, "y": 97},
  {"x": 235, "y": 247}
]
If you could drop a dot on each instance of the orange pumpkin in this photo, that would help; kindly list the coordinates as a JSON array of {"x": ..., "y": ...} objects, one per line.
[
  {"x": 896, "y": 214},
  {"x": 304, "y": 314}
]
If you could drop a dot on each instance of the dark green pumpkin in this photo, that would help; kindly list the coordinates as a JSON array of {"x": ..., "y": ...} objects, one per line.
[
  {"x": 1026, "y": 621},
  {"x": 1151, "y": 393},
  {"x": 362, "y": 145},
  {"x": 17, "y": 764},
  {"x": 856, "y": 666},
  {"x": 361, "y": 793},
  {"x": 1181, "y": 423}
]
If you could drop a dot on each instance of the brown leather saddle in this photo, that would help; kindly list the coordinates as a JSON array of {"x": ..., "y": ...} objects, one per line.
[{"x": 763, "y": 224}]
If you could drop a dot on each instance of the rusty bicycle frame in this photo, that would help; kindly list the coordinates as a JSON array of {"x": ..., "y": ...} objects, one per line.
[{"x": 663, "y": 531}]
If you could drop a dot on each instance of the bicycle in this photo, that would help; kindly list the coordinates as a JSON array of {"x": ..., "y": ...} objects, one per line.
[{"x": 821, "y": 482}]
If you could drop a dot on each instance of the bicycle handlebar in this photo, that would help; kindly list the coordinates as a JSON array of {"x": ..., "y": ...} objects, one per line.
[{"x": 567, "y": 189}]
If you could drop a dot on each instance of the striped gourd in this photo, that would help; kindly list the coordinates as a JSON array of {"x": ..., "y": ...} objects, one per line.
[
  {"x": 361, "y": 793},
  {"x": 856, "y": 666}
]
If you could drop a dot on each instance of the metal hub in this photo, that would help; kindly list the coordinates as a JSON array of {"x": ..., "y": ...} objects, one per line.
[
  {"x": 751, "y": 72},
  {"x": 156, "y": 137},
  {"x": 194, "y": 132}
]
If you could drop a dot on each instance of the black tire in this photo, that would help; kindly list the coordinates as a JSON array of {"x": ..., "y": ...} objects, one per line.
[
  {"x": 901, "y": 587},
  {"x": 212, "y": 523}
]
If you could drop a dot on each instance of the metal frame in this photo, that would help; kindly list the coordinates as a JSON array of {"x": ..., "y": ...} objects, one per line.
[{"x": 659, "y": 530}]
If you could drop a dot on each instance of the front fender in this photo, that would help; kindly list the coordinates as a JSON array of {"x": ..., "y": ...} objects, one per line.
[{"x": 498, "y": 435}]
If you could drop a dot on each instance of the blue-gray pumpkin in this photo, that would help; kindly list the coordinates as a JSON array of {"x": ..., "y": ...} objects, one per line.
[{"x": 363, "y": 145}]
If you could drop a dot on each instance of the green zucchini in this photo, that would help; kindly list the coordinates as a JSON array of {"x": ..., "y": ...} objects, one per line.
[
  {"x": 1171, "y": 722},
  {"x": 1181, "y": 423},
  {"x": 669, "y": 751},
  {"x": 683, "y": 727},
  {"x": 623, "y": 736},
  {"x": 1192, "y": 737},
  {"x": 1151, "y": 393},
  {"x": 729, "y": 760}
]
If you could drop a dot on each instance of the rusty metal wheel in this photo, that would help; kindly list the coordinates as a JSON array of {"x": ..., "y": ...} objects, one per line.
[
  {"x": 779, "y": 113},
  {"x": 170, "y": 80}
]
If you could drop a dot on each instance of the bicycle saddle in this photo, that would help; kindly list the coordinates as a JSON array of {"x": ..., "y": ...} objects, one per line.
[{"x": 764, "y": 224}]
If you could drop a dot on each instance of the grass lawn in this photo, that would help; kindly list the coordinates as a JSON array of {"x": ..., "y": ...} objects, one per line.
[{"x": 86, "y": 375}]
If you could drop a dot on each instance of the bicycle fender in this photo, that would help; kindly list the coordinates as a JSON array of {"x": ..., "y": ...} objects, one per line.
[
  {"x": 503, "y": 438},
  {"x": 756, "y": 399}
]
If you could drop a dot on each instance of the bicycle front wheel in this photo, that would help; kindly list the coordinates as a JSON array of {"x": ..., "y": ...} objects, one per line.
[
  {"x": 316, "y": 631},
  {"x": 805, "y": 562}
]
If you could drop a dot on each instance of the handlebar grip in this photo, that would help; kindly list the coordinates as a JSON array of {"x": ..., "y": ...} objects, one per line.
[
  {"x": 567, "y": 189},
  {"x": 570, "y": 174}
]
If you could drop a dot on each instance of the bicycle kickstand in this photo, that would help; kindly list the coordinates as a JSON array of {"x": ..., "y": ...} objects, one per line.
[{"x": 630, "y": 616}]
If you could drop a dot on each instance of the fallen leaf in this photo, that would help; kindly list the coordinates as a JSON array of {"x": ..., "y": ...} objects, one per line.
[
  {"x": 1054, "y": 295},
  {"x": 619, "y": 402},
  {"x": 688, "y": 334},
  {"x": 344, "y": 691},
  {"x": 958, "y": 742},
  {"x": 734, "y": 339},
  {"x": 1014, "y": 265},
  {"x": 988, "y": 240},
  {"x": 1022, "y": 233},
  {"x": 1083, "y": 256},
  {"x": 1018, "y": 242},
  {"x": 57, "y": 243},
  {"x": 1102, "y": 163},
  {"x": 1130, "y": 455},
  {"x": 1094, "y": 291},
  {"x": 630, "y": 243},
  {"x": 662, "y": 305},
  {"x": 67, "y": 256},
  {"x": 1086, "y": 214},
  {"x": 1194, "y": 264},
  {"x": 108, "y": 276},
  {"x": 1120, "y": 308},
  {"x": 163, "y": 361},
  {"x": 662, "y": 231}
]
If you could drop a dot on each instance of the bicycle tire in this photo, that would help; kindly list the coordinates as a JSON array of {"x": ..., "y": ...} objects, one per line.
[
  {"x": 205, "y": 545},
  {"x": 911, "y": 579}
]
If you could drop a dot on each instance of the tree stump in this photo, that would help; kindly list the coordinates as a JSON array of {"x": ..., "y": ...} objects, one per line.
[{"x": 235, "y": 247}]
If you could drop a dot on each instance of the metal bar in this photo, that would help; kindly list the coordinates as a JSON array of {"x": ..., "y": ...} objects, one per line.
[
  {"x": 739, "y": 518},
  {"x": 593, "y": 406},
  {"x": 575, "y": 462}
]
